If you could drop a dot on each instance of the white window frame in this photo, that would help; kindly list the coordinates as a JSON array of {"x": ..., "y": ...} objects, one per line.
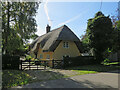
[{"x": 65, "y": 44}]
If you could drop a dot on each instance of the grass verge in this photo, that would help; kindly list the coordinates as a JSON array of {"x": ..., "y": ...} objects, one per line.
[{"x": 93, "y": 69}]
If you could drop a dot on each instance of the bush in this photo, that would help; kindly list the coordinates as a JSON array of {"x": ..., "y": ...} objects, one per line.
[
  {"x": 78, "y": 61},
  {"x": 28, "y": 57},
  {"x": 37, "y": 62},
  {"x": 10, "y": 62}
]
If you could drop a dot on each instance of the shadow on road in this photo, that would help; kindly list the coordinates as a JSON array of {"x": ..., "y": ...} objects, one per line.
[{"x": 64, "y": 83}]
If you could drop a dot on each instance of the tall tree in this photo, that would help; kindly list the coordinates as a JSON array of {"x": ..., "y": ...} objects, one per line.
[
  {"x": 18, "y": 24},
  {"x": 100, "y": 31}
]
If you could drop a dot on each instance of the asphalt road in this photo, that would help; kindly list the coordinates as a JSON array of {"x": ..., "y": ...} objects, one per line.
[{"x": 100, "y": 80}]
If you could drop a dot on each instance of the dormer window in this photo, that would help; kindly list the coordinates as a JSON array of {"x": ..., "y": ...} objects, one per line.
[{"x": 65, "y": 44}]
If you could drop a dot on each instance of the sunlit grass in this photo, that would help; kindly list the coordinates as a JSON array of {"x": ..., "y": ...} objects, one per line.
[
  {"x": 113, "y": 63},
  {"x": 93, "y": 68},
  {"x": 14, "y": 77}
]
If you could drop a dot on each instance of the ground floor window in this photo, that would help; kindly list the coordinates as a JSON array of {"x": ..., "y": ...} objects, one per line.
[
  {"x": 48, "y": 56},
  {"x": 41, "y": 56},
  {"x": 65, "y": 56}
]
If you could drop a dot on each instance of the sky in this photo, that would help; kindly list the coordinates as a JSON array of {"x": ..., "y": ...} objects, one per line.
[{"x": 72, "y": 14}]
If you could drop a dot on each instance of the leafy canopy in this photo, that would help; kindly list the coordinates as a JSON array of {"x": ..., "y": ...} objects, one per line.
[{"x": 99, "y": 31}]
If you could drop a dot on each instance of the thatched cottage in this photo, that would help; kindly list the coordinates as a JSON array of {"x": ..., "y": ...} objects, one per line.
[{"x": 56, "y": 44}]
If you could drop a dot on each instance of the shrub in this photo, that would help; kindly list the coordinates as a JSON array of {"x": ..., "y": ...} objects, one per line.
[
  {"x": 10, "y": 62},
  {"x": 28, "y": 57},
  {"x": 78, "y": 61}
]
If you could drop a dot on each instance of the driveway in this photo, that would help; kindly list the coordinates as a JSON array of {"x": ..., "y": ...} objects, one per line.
[{"x": 100, "y": 80}]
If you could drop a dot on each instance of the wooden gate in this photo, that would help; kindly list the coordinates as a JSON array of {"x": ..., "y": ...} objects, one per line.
[
  {"x": 34, "y": 65},
  {"x": 58, "y": 64},
  {"x": 41, "y": 64}
]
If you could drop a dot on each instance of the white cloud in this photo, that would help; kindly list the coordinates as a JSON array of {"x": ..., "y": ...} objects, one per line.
[
  {"x": 46, "y": 11},
  {"x": 40, "y": 31}
]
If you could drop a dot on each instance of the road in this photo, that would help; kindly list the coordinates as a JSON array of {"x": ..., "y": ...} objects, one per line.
[{"x": 100, "y": 80}]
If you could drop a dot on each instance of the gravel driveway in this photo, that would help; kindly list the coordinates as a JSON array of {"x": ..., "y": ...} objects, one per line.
[{"x": 100, "y": 80}]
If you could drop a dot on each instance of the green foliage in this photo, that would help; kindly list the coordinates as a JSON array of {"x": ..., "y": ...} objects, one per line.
[
  {"x": 18, "y": 25},
  {"x": 34, "y": 36},
  {"x": 85, "y": 42},
  {"x": 10, "y": 62},
  {"x": 100, "y": 31},
  {"x": 116, "y": 37},
  {"x": 106, "y": 61},
  {"x": 77, "y": 61},
  {"x": 99, "y": 13},
  {"x": 14, "y": 78},
  {"x": 96, "y": 68},
  {"x": 28, "y": 57}
]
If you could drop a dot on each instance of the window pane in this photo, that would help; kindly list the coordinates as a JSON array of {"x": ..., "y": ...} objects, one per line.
[
  {"x": 48, "y": 57},
  {"x": 63, "y": 44},
  {"x": 67, "y": 44},
  {"x": 41, "y": 56}
]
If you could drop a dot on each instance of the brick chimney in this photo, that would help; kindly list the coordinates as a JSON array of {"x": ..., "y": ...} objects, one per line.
[{"x": 48, "y": 28}]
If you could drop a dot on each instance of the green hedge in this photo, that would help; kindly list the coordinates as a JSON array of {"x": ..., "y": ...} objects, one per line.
[
  {"x": 78, "y": 61},
  {"x": 10, "y": 62}
]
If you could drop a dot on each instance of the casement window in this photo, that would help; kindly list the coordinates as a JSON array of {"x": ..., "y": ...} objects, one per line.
[
  {"x": 41, "y": 56},
  {"x": 65, "y": 45},
  {"x": 48, "y": 56}
]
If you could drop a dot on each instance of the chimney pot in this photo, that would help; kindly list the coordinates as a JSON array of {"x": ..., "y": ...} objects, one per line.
[{"x": 48, "y": 28}]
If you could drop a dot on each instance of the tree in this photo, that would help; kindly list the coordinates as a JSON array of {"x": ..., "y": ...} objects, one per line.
[
  {"x": 18, "y": 24},
  {"x": 116, "y": 37},
  {"x": 100, "y": 31},
  {"x": 85, "y": 42}
]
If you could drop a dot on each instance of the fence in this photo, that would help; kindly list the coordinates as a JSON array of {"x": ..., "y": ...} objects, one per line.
[
  {"x": 41, "y": 64},
  {"x": 36, "y": 65}
]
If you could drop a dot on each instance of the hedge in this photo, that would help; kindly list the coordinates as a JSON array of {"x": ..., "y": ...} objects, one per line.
[
  {"x": 78, "y": 61},
  {"x": 10, "y": 62}
]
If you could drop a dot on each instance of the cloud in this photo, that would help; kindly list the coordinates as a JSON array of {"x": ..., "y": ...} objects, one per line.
[
  {"x": 40, "y": 31},
  {"x": 72, "y": 19},
  {"x": 46, "y": 11}
]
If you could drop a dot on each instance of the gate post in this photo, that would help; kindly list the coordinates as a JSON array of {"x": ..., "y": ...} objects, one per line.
[
  {"x": 63, "y": 63},
  {"x": 21, "y": 64},
  {"x": 53, "y": 63},
  {"x": 29, "y": 64},
  {"x": 45, "y": 65}
]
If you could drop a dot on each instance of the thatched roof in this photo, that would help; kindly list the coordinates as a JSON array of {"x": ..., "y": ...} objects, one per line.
[{"x": 50, "y": 40}]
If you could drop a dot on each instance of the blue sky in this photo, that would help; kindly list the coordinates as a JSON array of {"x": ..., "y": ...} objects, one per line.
[{"x": 73, "y": 14}]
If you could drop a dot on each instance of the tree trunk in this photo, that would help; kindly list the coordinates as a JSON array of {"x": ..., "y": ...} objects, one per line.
[{"x": 8, "y": 27}]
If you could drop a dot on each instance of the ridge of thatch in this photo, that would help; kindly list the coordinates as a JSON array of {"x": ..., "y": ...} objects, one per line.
[{"x": 54, "y": 37}]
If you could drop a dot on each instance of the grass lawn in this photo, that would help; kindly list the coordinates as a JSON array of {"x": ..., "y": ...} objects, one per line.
[
  {"x": 92, "y": 69},
  {"x": 112, "y": 63}
]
